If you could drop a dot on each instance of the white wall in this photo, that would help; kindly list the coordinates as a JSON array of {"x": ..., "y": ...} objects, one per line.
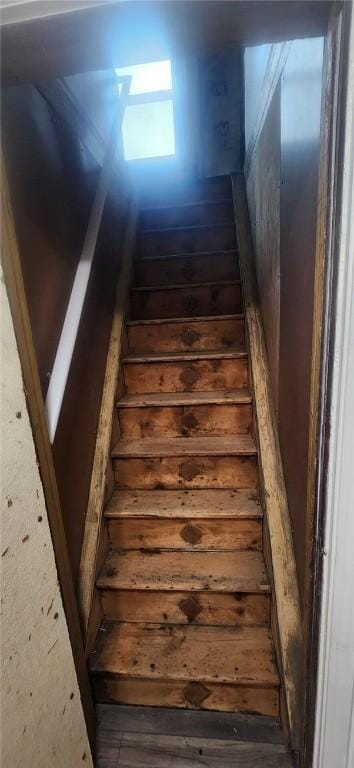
[
  {"x": 42, "y": 722},
  {"x": 97, "y": 95},
  {"x": 255, "y": 65}
]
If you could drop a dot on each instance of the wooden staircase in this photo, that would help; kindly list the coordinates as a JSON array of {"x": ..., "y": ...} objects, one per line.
[{"x": 184, "y": 589}]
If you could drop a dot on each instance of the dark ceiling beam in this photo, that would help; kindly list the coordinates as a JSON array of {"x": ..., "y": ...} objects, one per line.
[{"x": 133, "y": 32}]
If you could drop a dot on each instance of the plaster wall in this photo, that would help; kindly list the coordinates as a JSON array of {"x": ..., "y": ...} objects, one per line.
[{"x": 42, "y": 722}]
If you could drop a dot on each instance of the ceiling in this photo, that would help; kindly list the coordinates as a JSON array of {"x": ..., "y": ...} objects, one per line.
[{"x": 76, "y": 38}]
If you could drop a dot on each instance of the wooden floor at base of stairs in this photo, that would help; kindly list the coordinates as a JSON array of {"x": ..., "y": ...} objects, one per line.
[{"x": 152, "y": 737}]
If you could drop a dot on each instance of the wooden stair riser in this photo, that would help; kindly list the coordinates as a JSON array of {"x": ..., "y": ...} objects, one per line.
[
  {"x": 205, "y": 608},
  {"x": 210, "y": 534},
  {"x": 180, "y": 472},
  {"x": 186, "y": 301},
  {"x": 189, "y": 335},
  {"x": 216, "y": 212},
  {"x": 192, "y": 695},
  {"x": 161, "y": 242},
  {"x": 182, "y": 421},
  {"x": 186, "y": 376},
  {"x": 203, "y": 268},
  {"x": 187, "y": 192}
]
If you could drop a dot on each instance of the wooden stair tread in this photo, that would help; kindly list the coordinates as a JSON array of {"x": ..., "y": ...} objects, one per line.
[
  {"x": 211, "y": 503},
  {"x": 167, "y": 570},
  {"x": 187, "y": 228},
  {"x": 193, "y": 204},
  {"x": 238, "y": 350},
  {"x": 187, "y": 255},
  {"x": 196, "y": 319},
  {"x": 242, "y": 655},
  {"x": 182, "y": 286},
  {"x": 160, "y": 399},
  {"x": 238, "y": 445}
]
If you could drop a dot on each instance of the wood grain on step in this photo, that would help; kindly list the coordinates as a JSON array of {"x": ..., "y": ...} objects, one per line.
[
  {"x": 186, "y": 300},
  {"x": 208, "y": 212},
  {"x": 179, "y": 421},
  {"x": 195, "y": 268},
  {"x": 213, "y": 608},
  {"x": 198, "y": 374},
  {"x": 179, "y": 335},
  {"x": 166, "y": 693},
  {"x": 237, "y": 655},
  {"x": 189, "y": 239},
  {"x": 185, "y": 533},
  {"x": 238, "y": 445},
  {"x": 242, "y": 571},
  {"x": 233, "y": 504},
  {"x": 193, "y": 472}
]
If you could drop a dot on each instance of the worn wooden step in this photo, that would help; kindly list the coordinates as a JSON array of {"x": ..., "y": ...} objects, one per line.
[
  {"x": 239, "y": 445},
  {"x": 185, "y": 413},
  {"x": 188, "y": 300},
  {"x": 199, "y": 657},
  {"x": 223, "y": 589},
  {"x": 189, "y": 239},
  {"x": 199, "y": 571},
  {"x": 187, "y": 268},
  {"x": 176, "y": 693},
  {"x": 232, "y": 504},
  {"x": 189, "y": 519},
  {"x": 187, "y": 192},
  {"x": 183, "y": 334},
  {"x": 205, "y": 212},
  {"x": 186, "y": 371},
  {"x": 192, "y": 462},
  {"x": 186, "y": 607},
  {"x": 202, "y": 529}
]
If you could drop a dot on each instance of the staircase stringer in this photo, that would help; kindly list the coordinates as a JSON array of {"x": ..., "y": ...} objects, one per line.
[
  {"x": 94, "y": 544},
  {"x": 278, "y": 544}
]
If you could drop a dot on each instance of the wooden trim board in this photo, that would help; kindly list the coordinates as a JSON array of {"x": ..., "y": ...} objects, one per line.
[
  {"x": 276, "y": 511},
  {"x": 93, "y": 522},
  {"x": 19, "y": 309}
]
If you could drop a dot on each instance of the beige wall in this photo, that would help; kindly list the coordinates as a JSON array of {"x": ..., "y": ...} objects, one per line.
[{"x": 42, "y": 723}]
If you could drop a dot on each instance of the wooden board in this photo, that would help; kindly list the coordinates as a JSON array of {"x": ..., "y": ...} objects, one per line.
[
  {"x": 165, "y": 693},
  {"x": 177, "y": 472},
  {"x": 182, "y": 335},
  {"x": 214, "y": 237},
  {"x": 213, "y": 608},
  {"x": 139, "y": 750},
  {"x": 92, "y": 531},
  {"x": 242, "y": 571},
  {"x": 179, "y": 421},
  {"x": 239, "y": 445},
  {"x": 200, "y": 373},
  {"x": 187, "y": 192},
  {"x": 209, "y": 725},
  {"x": 272, "y": 479},
  {"x": 228, "y": 397},
  {"x": 234, "y": 504},
  {"x": 207, "y": 212},
  {"x": 185, "y": 533},
  {"x": 193, "y": 268},
  {"x": 236, "y": 655},
  {"x": 187, "y": 301}
]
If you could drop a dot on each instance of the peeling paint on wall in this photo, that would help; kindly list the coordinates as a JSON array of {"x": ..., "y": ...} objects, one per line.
[{"x": 42, "y": 722}]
